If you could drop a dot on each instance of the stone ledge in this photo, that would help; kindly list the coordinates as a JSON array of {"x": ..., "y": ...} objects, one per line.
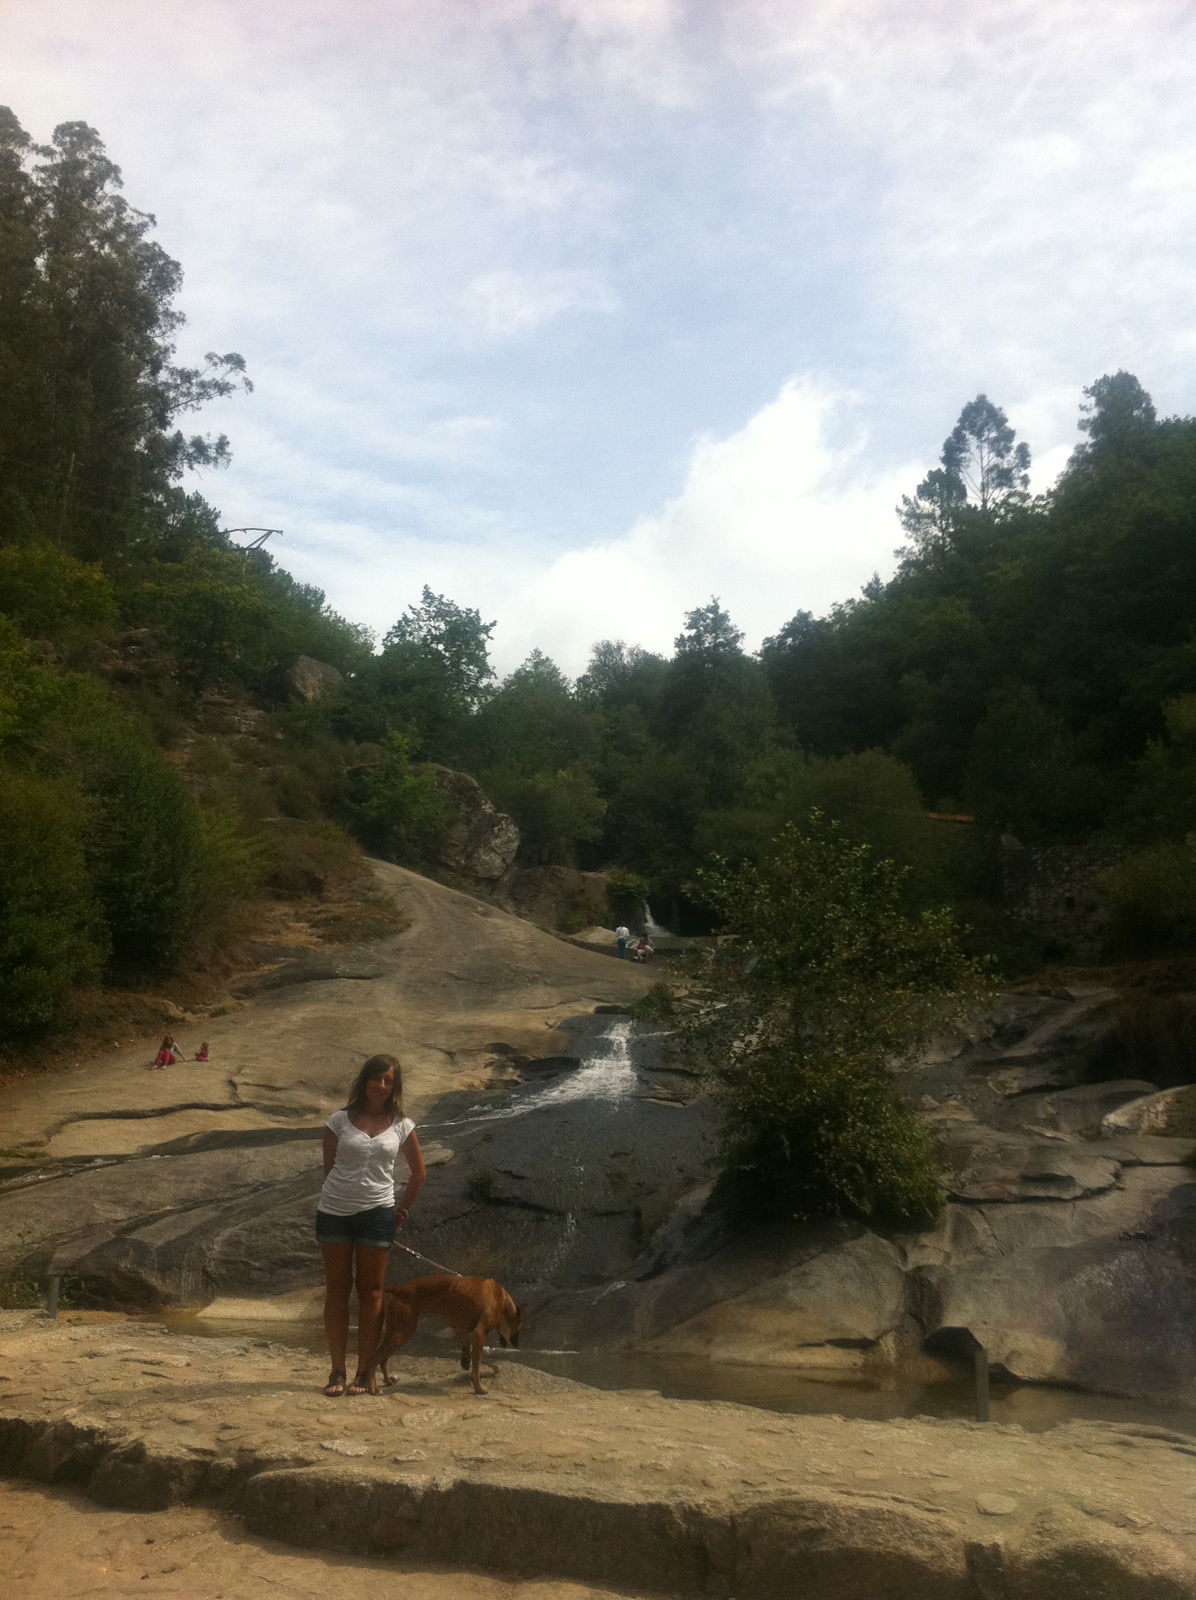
[{"x": 547, "y": 1478}]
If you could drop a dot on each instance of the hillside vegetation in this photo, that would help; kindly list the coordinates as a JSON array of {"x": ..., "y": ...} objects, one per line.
[{"x": 1031, "y": 665}]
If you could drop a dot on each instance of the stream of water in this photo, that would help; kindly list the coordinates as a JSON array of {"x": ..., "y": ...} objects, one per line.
[
  {"x": 606, "y": 1074},
  {"x": 1035, "y": 1407}
]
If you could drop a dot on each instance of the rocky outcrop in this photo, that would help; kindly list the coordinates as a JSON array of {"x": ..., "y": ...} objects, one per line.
[
  {"x": 480, "y": 842},
  {"x": 1070, "y": 1257},
  {"x": 560, "y": 898},
  {"x": 556, "y": 1481},
  {"x": 1153, "y": 1113},
  {"x": 305, "y": 679},
  {"x": 575, "y": 1162}
]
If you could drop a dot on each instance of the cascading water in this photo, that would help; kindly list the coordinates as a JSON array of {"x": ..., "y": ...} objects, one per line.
[
  {"x": 653, "y": 930},
  {"x": 606, "y": 1074}
]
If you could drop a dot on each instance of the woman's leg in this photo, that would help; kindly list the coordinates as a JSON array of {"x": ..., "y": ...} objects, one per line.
[
  {"x": 370, "y": 1272},
  {"x": 338, "y": 1282}
]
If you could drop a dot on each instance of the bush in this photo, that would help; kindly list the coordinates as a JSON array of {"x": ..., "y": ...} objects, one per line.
[
  {"x": 834, "y": 1141},
  {"x": 146, "y": 848},
  {"x": 400, "y": 810},
  {"x": 656, "y": 1004},
  {"x": 1151, "y": 899},
  {"x": 48, "y": 593},
  {"x": 302, "y": 858},
  {"x": 827, "y": 985},
  {"x": 50, "y": 933}
]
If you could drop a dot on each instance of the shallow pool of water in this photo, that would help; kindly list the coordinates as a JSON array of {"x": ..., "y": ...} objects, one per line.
[{"x": 1032, "y": 1406}]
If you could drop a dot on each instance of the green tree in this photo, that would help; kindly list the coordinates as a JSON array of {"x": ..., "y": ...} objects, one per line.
[
  {"x": 983, "y": 468},
  {"x": 399, "y": 810},
  {"x": 1026, "y": 773},
  {"x": 1119, "y": 419},
  {"x": 533, "y": 722},
  {"x": 453, "y": 635},
  {"x": 88, "y": 325},
  {"x": 427, "y": 681},
  {"x": 715, "y": 709},
  {"x": 824, "y": 985},
  {"x": 554, "y": 811}
]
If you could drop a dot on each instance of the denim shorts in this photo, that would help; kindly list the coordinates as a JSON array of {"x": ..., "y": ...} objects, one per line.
[{"x": 375, "y": 1227}]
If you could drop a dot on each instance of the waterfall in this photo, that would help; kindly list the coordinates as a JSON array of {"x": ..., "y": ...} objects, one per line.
[
  {"x": 652, "y": 929},
  {"x": 606, "y": 1073}
]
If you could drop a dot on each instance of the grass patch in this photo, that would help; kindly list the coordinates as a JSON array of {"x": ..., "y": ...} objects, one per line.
[{"x": 657, "y": 1004}]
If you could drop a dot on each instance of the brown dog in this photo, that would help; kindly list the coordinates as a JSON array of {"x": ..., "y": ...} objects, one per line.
[{"x": 472, "y": 1307}]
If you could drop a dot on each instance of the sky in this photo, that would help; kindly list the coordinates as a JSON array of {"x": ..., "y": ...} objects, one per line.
[{"x": 583, "y": 311}]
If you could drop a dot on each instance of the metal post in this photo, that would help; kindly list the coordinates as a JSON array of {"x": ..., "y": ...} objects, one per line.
[
  {"x": 53, "y": 1284},
  {"x": 980, "y": 1368}
]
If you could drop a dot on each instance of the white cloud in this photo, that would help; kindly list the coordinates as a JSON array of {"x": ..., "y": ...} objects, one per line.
[
  {"x": 470, "y": 250},
  {"x": 773, "y": 518}
]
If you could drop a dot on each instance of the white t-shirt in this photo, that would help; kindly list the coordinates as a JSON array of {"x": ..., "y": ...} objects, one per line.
[{"x": 363, "y": 1174}]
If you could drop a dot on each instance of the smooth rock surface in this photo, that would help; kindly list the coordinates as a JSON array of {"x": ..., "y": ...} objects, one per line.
[{"x": 551, "y": 1479}]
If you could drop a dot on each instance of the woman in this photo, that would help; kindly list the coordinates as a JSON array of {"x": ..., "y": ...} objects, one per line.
[{"x": 356, "y": 1219}]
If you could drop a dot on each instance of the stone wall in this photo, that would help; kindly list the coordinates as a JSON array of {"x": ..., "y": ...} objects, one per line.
[{"x": 1054, "y": 889}]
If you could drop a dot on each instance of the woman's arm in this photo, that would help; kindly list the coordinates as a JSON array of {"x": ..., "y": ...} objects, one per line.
[
  {"x": 329, "y": 1150},
  {"x": 414, "y": 1157}
]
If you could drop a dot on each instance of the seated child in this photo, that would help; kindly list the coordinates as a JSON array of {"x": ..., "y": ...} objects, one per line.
[{"x": 168, "y": 1053}]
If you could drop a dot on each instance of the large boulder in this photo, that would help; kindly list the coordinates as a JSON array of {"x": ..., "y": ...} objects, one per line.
[
  {"x": 304, "y": 678},
  {"x": 480, "y": 842}
]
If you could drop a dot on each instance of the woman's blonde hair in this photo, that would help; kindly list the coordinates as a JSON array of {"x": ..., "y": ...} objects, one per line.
[{"x": 377, "y": 1067}]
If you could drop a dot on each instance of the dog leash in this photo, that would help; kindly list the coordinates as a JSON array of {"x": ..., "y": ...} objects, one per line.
[{"x": 420, "y": 1256}]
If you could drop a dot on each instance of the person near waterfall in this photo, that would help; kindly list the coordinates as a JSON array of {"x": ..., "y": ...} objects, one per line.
[
  {"x": 356, "y": 1216},
  {"x": 622, "y": 937}
]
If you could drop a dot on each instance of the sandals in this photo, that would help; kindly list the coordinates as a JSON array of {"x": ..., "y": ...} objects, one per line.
[
  {"x": 335, "y": 1387},
  {"x": 360, "y": 1384}
]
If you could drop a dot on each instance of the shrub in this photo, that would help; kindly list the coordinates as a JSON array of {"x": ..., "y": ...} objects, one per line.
[
  {"x": 656, "y": 1004},
  {"x": 50, "y": 933},
  {"x": 48, "y": 593},
  {"x": 1151, "y": 899},
  {"x": 145, "y": 846},
  {"x": 827, "y": 985}
]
